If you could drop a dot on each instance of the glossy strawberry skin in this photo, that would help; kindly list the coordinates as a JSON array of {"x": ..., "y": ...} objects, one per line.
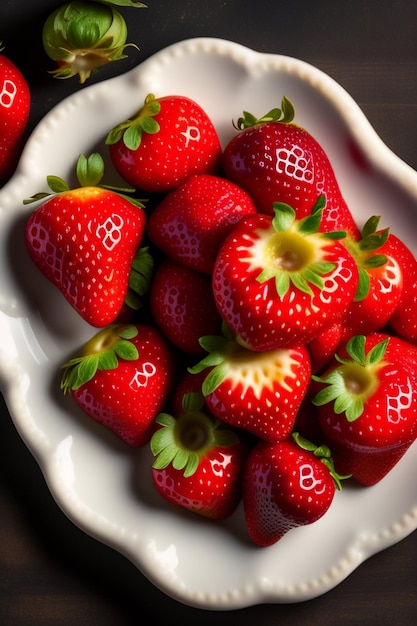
[
  {"x": 255, "y": 313},
  {"x": 280, "y": 162},
  {"x": 262, "y": 391},
  {"x": 183, "y": 306},
  {"x": 186, "y": 144},
  {"x": 214, "y": 491},
  {"x": 84, "y": 241},
  {"x": 283, "y": 487},
  {"x": 126, "y": 399},
  {"x": 403, "y": 321},
  {"x": 372, "y": 313},
  {"x": 369, "y": 447},
  {"x": 191, "y": 223},
  {"x": 15, "y": 101}
]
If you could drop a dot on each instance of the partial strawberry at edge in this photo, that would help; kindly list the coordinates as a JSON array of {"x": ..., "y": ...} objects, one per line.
[
  {"x": 122, "y": 379},
  {"x": 275, "y": 160},
  {"x": 367, "y": 405},
  {"x": 15, "y": 102},
  {"x": 168, "y": 140}
]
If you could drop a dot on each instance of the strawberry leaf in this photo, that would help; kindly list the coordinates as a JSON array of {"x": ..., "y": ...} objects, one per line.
[
  {"x": 126, "y": 350},
  {"x": 132, "y": 137},
  {"x": 214, "y": 378},
  {"x": 284, "y": 216},
  {"x": 90, "y": 169},
  {"x": 102, "y": 352},
  {"x": 57, "y": 184}
]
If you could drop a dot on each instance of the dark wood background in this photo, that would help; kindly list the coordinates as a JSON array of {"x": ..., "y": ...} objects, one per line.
[{"x": 50, "y": 571}]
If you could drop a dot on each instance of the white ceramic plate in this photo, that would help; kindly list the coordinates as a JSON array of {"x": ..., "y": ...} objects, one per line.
[{"x": 103, "y": 486}]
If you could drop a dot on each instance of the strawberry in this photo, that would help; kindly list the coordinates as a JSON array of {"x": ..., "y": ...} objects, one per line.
[
  {"x": 256, "y": 391},
  {"x": 122, "y": 379},
  {"x": 191, "y": 222},
  {"x": 168, "y": 140},
  {"x": 15, "y": 104},
  {"x": 277, "y": 281},
  {"x": 381, "y": 263},
  {"x": 84, "y": 240},
  {"x": 275, "y": 160},
  {"x": 367, "y": 405},
  {"x": 286, "y": 484},
  {"x": 198, "y": 460},
  {"x": 380, "y": 280},
  {"x": 182, "y": 305},
  {"x": 403, "y": 321}
]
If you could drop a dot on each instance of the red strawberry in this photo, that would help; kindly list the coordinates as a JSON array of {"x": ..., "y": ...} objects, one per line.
[
  {"x": 286, "y": 484},
  {"x": 84, "y": 240},
  {"x": 275, "y": 160},
  {"x": 256, "y": 391},
  {"x": 168, "y": 140},
  {"x": 367, "y": 405},
  {"x": 380, "y": 260},
  {"x": 278, "y": 281},
  {"x": 191, "y": 223},
  {"x": 14, "y": 115},
  {"x": 198, "y": 461},
  {"x": 183, "y": 306},
  {"x": 380, "y": 280},
  {"x": 122, "y": 379},
  {"x": 404, "y": 319}
]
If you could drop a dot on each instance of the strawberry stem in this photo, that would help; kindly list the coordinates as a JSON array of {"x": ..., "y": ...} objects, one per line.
[
  {"x": 351, "y": 383},
  {"x": 185, "y": 440},
  {"x": 101, "y": 352},
  {"x": 324, "y": 454},
  {"x": 285, "y": 115}
]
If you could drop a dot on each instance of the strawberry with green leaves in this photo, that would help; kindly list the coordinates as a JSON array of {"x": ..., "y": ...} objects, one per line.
[
  {"x": 380, "y": 280},
  {"x": 182, "y": 305},
  {"x": 15, "y": 102},
  {"x": 122, "y": 379},
  {"x": 168, "y": 140},
  {"x": 259, "y": 392},
  {"x": 198, "y": 461},
  {"x": 84, "y": 240},
  {"x": 191, "y": 222},
  {"x": 367, "y": 405},
  {"x": 278, "y": 281},
  {"x": 275, "y": 160},
  {"x": 286, "y": 484},
  {"x": 381, "y": 264}
]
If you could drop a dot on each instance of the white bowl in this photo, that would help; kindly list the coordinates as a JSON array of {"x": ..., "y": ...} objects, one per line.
[{"x": 102, "y": 485}]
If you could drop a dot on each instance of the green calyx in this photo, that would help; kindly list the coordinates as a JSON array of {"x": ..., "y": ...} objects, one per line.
[
  {"x": 89, "y": 172},
  {"x": 351, "y": 383},
  {"x": 182, "y": 442},
  {"x": 102, "y": 352},
  {"x": 83, "y": 35},
  {"x": 365, "y": 253},
  {"x": 285, "y": 115},
  {"x": 323, "y": 453},
  {"x": 140, "y": 278},
  {"x": 290, "y": 254},
  {"x": 221, "y": 349},
  {"x": 131, "y": 130}
]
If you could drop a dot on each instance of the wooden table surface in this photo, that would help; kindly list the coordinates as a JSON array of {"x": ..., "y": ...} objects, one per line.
[{"x": 50, "y": 571}]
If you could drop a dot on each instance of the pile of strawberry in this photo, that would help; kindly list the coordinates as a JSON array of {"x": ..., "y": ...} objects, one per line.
[{"x": 260, "y": 341}]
